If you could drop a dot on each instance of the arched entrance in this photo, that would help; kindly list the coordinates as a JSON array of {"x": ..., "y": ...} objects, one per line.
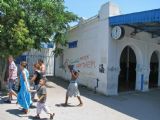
[
  {"x": 153, "y": 76},
  {"x": 127, "y": 76}
]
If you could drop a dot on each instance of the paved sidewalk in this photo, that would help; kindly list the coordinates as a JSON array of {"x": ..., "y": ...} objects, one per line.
[{"x": 126, "y": 106}]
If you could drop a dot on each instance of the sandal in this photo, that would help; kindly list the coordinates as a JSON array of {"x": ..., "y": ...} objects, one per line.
[
  {"x": 51, "y": 116},
  {"x": 25, "y": 111}
]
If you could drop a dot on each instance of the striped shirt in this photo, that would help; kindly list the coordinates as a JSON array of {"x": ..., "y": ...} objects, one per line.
[{"x": 12, "y": 71}]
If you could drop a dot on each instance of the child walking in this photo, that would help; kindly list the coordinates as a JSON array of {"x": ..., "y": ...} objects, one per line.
[{"x": 42, "y": 95}]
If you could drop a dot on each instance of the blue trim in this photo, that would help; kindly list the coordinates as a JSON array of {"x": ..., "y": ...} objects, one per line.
[
  {"x": 136, "y": 18},
  {"x": 142, "y": 81},
  {"x": 72, "y": 44}
]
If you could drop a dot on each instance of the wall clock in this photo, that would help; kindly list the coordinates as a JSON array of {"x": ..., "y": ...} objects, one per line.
[{"x": 117, "y": 32}]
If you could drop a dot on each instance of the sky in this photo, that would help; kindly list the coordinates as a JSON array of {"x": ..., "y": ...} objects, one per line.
[{"x": 90, "y": 8}]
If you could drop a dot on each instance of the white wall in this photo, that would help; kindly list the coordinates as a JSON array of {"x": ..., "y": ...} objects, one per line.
[
  {"x": 89, "y": 53},
  {"x": 92, "y": 50}
]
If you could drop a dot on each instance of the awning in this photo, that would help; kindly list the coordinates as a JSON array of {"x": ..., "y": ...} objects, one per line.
[{"x": 148, "y": 21}]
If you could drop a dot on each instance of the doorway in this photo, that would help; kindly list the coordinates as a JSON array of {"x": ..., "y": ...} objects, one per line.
[
  {"x": 153, "y": 76},
  {"x": 127, "y": 75}
]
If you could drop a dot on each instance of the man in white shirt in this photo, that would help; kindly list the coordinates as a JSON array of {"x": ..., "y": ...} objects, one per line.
[{"x": 12, "y": 77}]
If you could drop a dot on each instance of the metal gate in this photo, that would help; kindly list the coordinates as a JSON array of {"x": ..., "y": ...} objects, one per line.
[
  {"x": 48, "y": 61},
  {"x": 32, "y": 57}
]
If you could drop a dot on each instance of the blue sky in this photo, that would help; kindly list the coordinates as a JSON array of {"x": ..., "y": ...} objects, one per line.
[{"x": 89, "y": 8}]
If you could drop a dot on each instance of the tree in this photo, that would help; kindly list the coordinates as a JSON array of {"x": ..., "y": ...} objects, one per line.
[{"x": 27, "y": 23}]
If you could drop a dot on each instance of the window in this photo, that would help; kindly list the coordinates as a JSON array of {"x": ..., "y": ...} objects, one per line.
[{"x": 72, "y": 44}]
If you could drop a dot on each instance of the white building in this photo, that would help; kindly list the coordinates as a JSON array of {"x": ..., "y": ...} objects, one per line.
[{"x": 121, "y": 51}]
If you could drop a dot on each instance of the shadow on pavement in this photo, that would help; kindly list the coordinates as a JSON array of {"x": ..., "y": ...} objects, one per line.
[
  {"x": 16, "y": 112},
  {"x": 32, "y": 118},
  {"x": 3, "y": 97},
  {"x": 139, "y": 105},
  {"x": 63, "y": 105}
]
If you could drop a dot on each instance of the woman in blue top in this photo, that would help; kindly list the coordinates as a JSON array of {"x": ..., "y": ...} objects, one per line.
[{"x": 24, "y": 96}]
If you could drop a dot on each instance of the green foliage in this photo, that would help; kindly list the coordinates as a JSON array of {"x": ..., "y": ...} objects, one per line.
[{"x": 27, "y": 23}]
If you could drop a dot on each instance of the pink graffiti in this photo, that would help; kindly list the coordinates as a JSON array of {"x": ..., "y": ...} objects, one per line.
[
  {"x": 87, "y": 64},
  {"x": 86, "y": 57}
]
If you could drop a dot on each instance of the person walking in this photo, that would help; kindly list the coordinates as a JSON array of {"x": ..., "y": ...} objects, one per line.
[
  {"x": 73, "y": 87},
  {"x": 42, "y": 67},
  {"x": 35, "y": 79},
  {"x": 12, "y": 78},
  {"x": 24, "y": 96},
  {"x": 42, "y": 96}
]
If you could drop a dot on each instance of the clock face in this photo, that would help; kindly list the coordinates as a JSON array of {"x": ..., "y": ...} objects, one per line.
[{"x": 116, "y": 32}]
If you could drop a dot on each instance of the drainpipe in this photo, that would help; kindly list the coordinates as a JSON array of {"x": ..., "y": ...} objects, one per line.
[
  {"x": 142, "y": 81},
  {"x": 95, "y": 88}
]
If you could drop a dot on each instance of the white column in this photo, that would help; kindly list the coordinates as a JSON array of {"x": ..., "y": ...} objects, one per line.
[
  {"x": 112, "y": 80},
  {"x": 142, "y": 78},
  {"x": 139, "y": 77},
  {"x": 146, "y": 71}
]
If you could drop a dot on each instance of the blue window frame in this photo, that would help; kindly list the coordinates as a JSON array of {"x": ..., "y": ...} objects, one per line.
[{"x": 72, "y": 44}]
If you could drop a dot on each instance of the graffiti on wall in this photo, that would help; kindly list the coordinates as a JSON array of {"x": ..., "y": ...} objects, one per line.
[
  {"x": 80, "y": 63},
  {"x": 86, "y": 62}
]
